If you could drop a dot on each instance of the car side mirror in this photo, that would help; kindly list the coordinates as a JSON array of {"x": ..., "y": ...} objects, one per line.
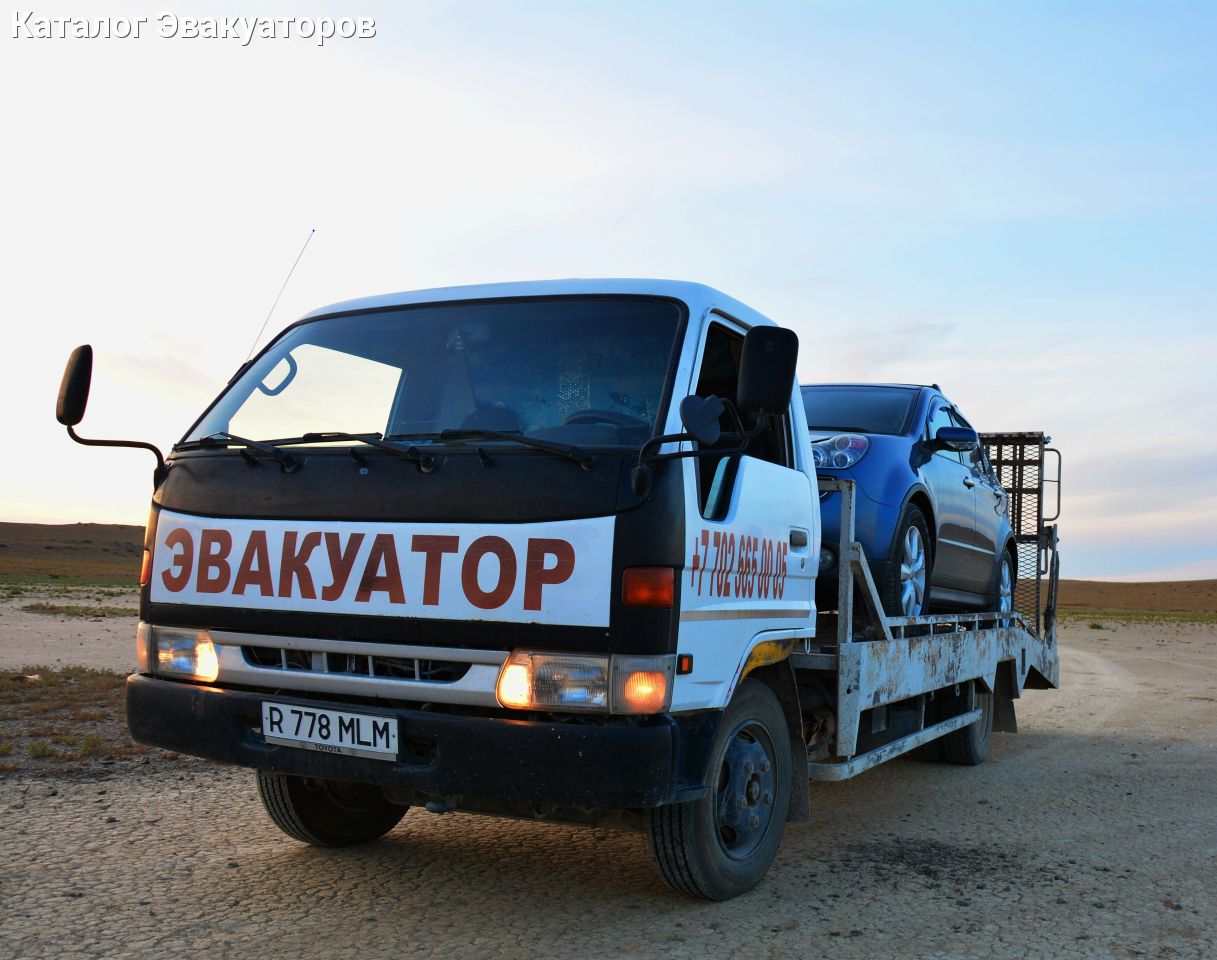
[
  {"x": 74, "y": 388},
  {"x": 699, "y": 415},
  {"x": 766, "y": 376},
  {"x": 955, "y": 438}
]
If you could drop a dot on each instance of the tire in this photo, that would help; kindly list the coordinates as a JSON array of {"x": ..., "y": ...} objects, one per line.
[
  {"x": 898, "y": 591},
  {"x": 327, "y": 813},
  {"x": 1001, "y": 589},
  {"x": 721, "y": 846},
  {"x": 968, "y": 746}
]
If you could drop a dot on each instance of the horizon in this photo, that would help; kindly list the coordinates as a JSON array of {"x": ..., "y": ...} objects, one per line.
[{"x": 1017, "y": 203}]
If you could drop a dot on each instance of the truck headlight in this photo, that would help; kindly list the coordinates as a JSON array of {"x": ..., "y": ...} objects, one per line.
[
  {"x": 554, "y": 681},
  {"x": 585, "y": 683},
  {"x": 176, "y": 652}
]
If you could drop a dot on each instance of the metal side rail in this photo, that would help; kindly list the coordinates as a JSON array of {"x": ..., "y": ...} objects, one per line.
[
  {"x": 880, "y": 660},
  {"x": 843, "y": 770}
]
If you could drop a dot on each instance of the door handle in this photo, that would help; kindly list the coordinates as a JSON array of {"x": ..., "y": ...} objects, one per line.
[
  {"x": 798, "y": 538},
  {"x": 969, "y": 483}
]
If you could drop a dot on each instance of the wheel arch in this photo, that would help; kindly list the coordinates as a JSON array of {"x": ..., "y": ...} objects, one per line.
[
  {"x": 919, "y": 497},
  {"x": 779, "y": 677}
]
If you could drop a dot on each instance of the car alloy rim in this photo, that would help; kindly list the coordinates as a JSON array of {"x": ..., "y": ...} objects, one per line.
[
  {"x": 1005, "y": 593},
  {"x": 912, "y": 573},
  {"x": 743, "y": 808}
]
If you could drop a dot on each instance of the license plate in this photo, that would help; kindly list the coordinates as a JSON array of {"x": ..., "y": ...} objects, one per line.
[{"x": 330, "y": 731}]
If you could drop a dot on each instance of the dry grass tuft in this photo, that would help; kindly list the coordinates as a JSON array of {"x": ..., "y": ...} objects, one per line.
[
  {"x": 79, "y": 610},
  {"x": 56, "y": 721}
]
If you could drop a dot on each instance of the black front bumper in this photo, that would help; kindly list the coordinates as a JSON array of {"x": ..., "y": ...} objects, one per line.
[{"x": 612, "y": 764}]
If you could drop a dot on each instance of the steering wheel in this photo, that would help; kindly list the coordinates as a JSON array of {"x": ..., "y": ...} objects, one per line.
[{"x": 604, "y": 416}]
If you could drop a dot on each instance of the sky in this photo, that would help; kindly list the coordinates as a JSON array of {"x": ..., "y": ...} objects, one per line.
[{"x": 1015, "y": 200}]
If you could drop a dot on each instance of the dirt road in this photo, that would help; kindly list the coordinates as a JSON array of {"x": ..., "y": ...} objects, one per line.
[{"x": 1093, "y": 833}]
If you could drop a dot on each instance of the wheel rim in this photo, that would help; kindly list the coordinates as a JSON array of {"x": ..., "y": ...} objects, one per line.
[
  {"x": 744, "y": 803},
  {"x": 912, "y": 573},
  {"x": 1005, "y": 592}
]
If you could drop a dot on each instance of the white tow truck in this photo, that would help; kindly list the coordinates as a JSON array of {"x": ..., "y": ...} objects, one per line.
[{"x": 547, "y": 550}]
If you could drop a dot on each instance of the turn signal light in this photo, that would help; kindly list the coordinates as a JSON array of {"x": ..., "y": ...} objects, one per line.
[
  {"x": 515, "y": 686},
  {"x": 644, "y": 691},
  {"x": 648, "y": 587},
  {"x": 145, "y": 569},
  {"x": 642, "y": 684}
]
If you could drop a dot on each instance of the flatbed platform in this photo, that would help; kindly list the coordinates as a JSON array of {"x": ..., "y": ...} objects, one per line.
[{"x": 882, "y": 670}]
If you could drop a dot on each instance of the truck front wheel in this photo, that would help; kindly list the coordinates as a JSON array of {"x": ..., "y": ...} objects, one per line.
[
  {"x": 720, "y": 846},
  {"x": 327, "y": 813}
]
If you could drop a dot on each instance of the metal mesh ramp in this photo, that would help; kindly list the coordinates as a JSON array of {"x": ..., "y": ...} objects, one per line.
[{"x": 1029, "y": 469}]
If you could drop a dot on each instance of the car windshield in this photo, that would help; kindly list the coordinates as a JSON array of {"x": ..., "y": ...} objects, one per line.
[
  {"x": 577, "y": 370},
  {"x": 859, "y": 409}
]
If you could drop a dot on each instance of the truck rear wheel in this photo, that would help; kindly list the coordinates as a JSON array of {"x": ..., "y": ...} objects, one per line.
[
  {"x": 327, "y": 813},
  {"x": 720, "y": 846},
  {"x": 968, "y": 746}
]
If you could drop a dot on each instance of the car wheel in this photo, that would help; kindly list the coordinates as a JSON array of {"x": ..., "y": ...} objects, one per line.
[
  {"x": 1001, "y": 590},
  {"x": 906, "y": 585}
]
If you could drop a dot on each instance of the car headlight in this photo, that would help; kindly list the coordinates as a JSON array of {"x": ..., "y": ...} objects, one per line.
[
  {"x": 839, "y": 452},
  {"x": 586, "y": 684},
  {"x": 176, "y": 652}
]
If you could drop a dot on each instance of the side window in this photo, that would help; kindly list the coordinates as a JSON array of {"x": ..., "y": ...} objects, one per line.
[
  {"x": 941, "y": 417},
  {"x": 719, "y": 376}
]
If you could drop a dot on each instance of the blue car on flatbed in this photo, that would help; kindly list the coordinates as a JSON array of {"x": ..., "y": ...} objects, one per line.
[{"x": 932, "y": 517}]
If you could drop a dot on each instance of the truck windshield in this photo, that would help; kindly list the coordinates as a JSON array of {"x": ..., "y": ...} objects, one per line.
[
  {"x": 858, "y": 408},
  {"x": 587, "y": 371}
]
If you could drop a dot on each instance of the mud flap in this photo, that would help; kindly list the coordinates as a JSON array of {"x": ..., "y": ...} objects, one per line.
[{"x": 1005, "y": 689}]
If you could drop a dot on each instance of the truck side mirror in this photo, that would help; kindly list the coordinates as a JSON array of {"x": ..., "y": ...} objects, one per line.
[
  {"x": 766, "y": 375},
  {"x": 955, "y": 438},
  {"x": 74, "y": 388},
  {"x": 699, "y": 415}
]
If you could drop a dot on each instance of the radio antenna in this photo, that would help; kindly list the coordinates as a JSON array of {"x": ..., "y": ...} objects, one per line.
[{"x": 262, "y": 330}]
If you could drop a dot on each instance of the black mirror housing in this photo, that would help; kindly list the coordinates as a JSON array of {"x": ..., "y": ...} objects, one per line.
[
  {"x": 700, "y": 418},
  {"x": 955, "y": 438},
  {"x": 74, "y": 388},
  {"x": 766, "y": 376}
]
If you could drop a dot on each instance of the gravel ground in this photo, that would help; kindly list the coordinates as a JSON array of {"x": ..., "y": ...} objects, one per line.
[{"x": 1093, "y": 833}]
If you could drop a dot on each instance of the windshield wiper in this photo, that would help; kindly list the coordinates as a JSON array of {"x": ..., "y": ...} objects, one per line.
[
  {"x": 570, "y": 452},
  {"x": 376, "y": 440},
  {"x": 222, "y": 439}
]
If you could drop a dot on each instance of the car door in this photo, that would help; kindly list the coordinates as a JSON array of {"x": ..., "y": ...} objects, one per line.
[
  {"x": 990, "y": 505},
  {"x": 951, "y": 486}
]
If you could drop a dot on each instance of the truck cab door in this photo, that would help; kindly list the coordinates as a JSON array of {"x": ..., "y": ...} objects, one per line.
[{"x": 752, "y": 535}]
